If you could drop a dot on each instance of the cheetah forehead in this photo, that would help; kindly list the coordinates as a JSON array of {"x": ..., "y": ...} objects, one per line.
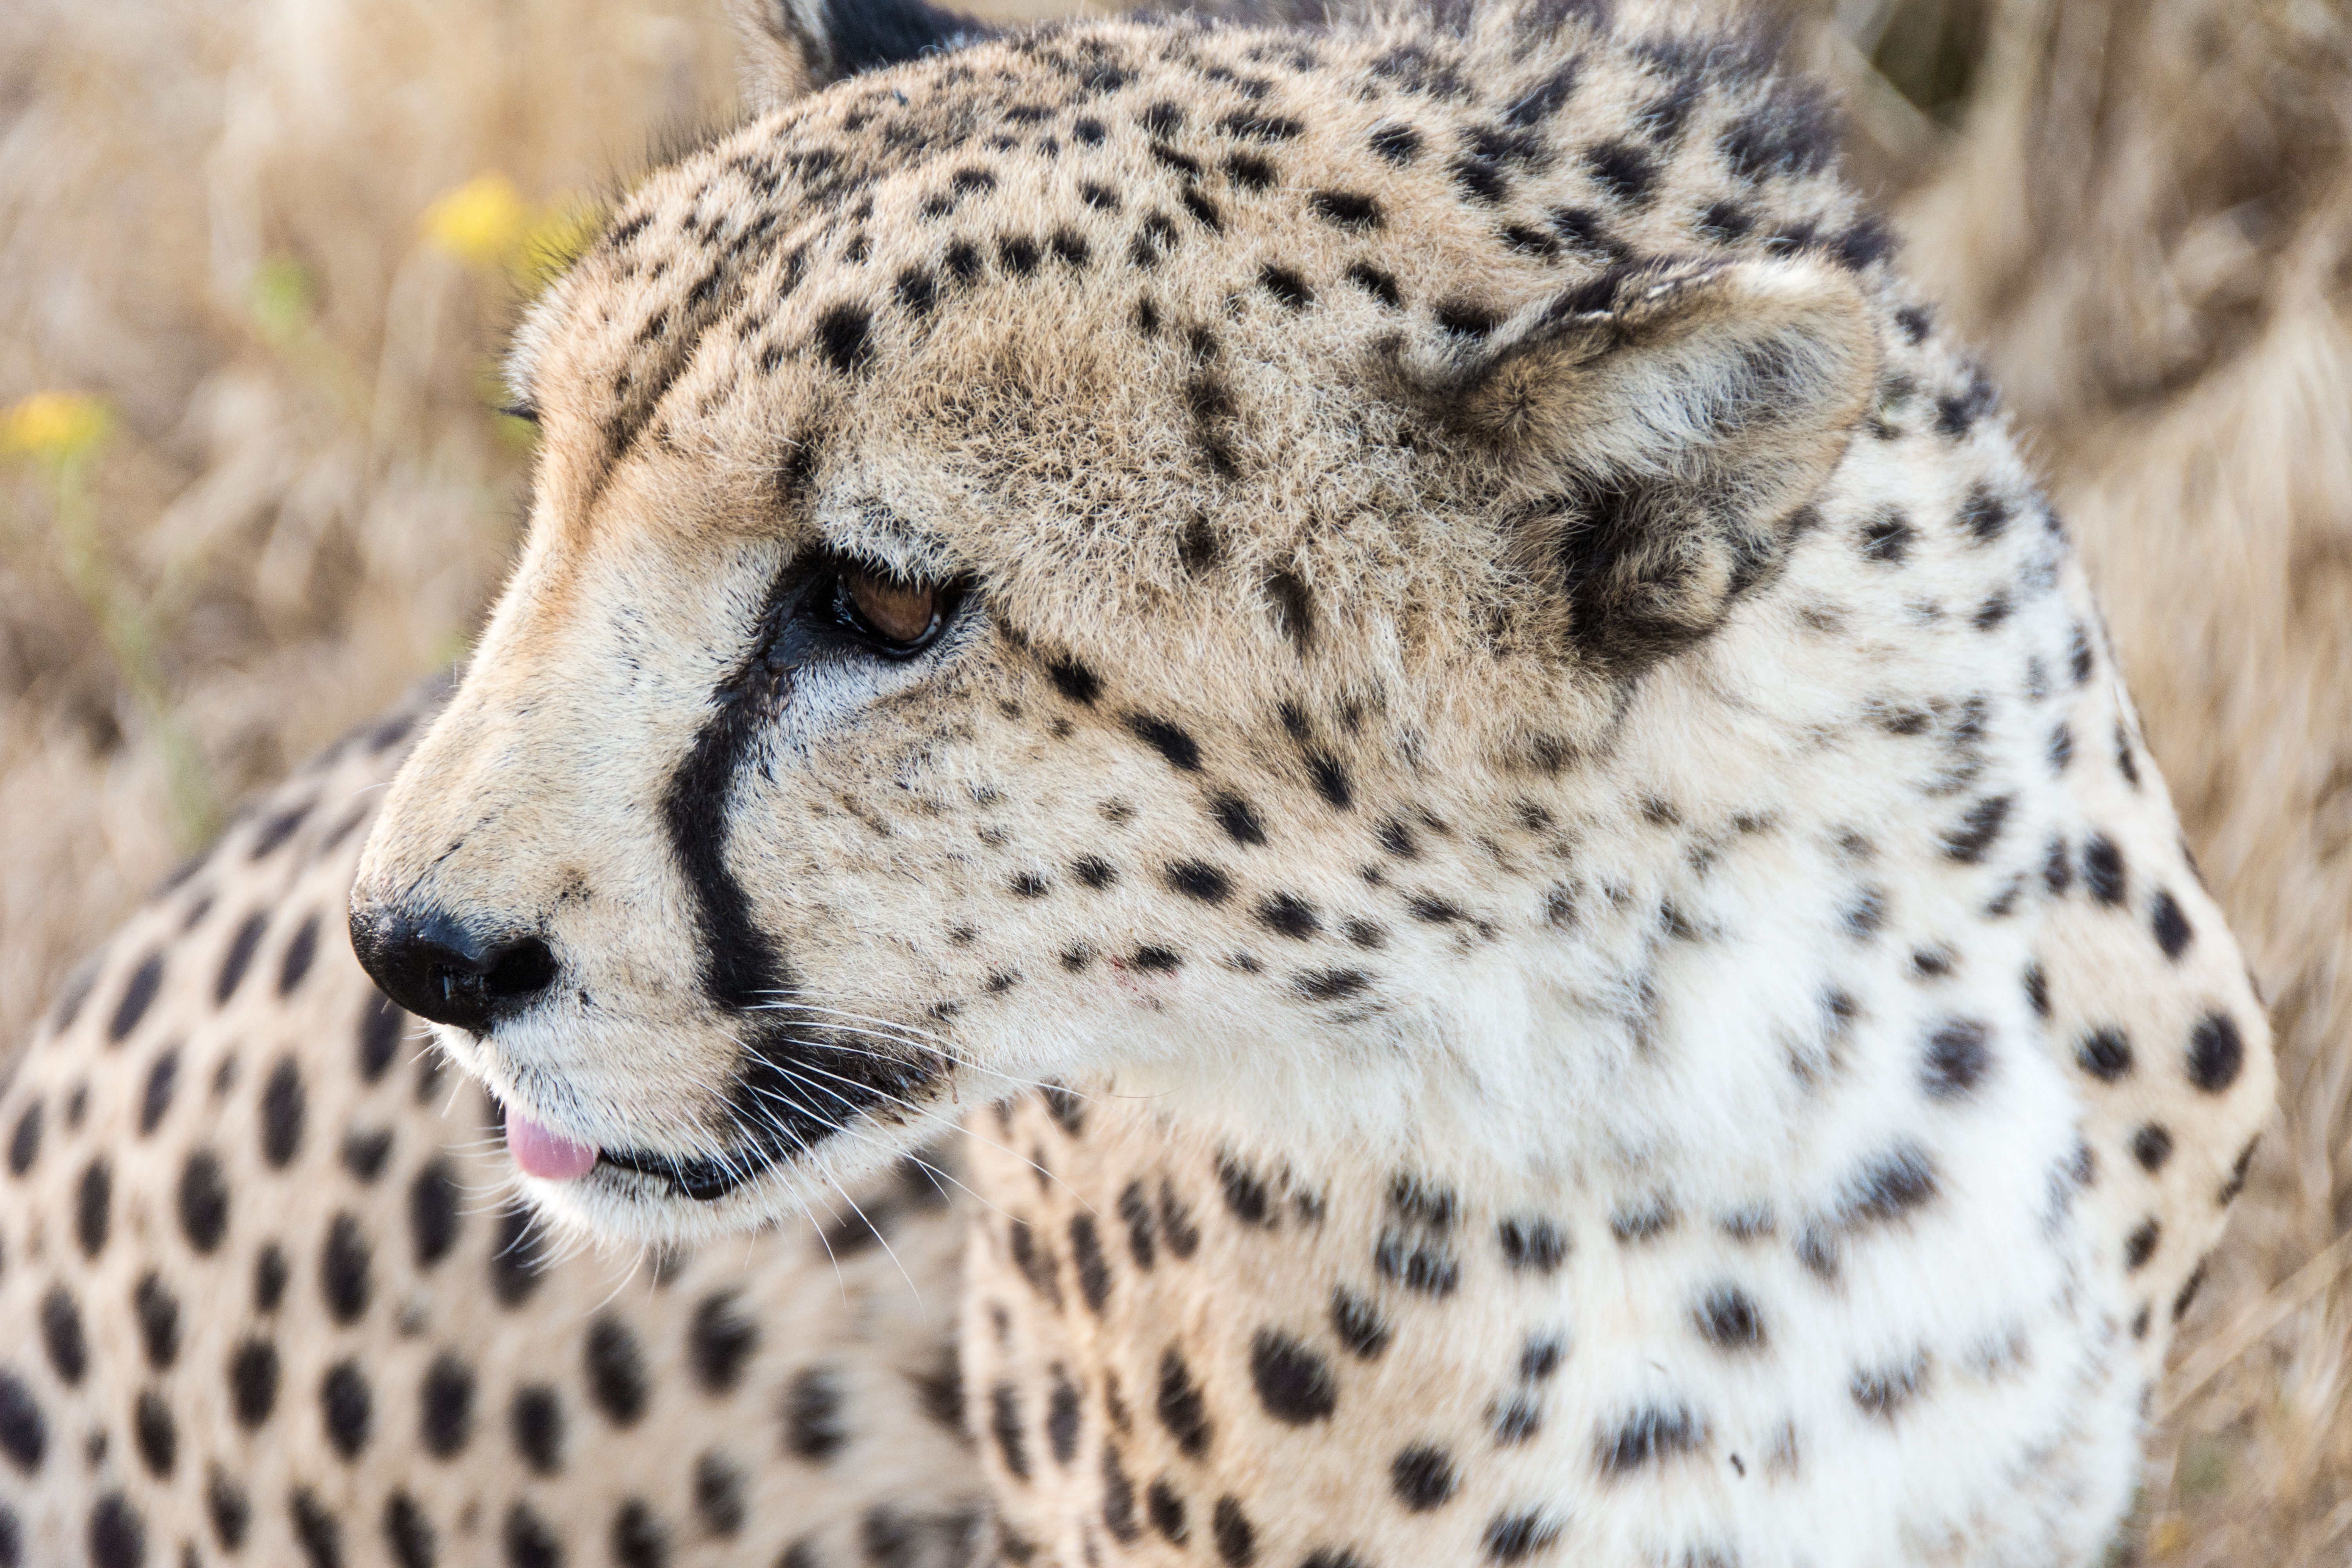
[{"x": 1087, "y": 215}]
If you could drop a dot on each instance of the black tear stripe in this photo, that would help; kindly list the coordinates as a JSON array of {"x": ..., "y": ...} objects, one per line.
[{"x": 800, "y": 1079}]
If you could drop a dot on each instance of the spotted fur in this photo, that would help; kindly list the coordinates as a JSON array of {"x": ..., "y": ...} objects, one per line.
[{"x": 1510, "y": 736}]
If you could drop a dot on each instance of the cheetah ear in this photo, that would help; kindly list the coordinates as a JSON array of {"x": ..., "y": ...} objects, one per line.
[
  {"x": 1676, "y": 416},
  {"x": 794, "y": 46}
]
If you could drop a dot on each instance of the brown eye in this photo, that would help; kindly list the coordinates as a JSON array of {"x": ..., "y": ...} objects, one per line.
[{"x": 900, "y": 613}]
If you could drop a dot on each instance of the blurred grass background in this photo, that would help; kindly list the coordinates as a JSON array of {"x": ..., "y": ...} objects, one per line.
[{"x": 256, "y": 257}]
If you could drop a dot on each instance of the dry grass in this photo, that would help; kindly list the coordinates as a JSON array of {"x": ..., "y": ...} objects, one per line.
[{"x": 214, "y": 218}]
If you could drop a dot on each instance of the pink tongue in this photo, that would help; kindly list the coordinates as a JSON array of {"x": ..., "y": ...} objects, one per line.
[{"x": 542, "y": 1153}]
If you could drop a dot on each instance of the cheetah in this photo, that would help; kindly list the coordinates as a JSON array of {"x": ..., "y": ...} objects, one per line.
[{"x": 1345, "y": 751}]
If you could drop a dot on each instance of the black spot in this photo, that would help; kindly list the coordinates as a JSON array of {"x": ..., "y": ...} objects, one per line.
[
  {"x": 1062, "y": 1413},
  {"x": 536, "y": 1422},
  {"x": 1652, "y": 1218},
  {"x": 1074, "y": 681},
  {"x": 1246, "y": 1192},
  {"x": 721, "y": 1339},
  {"x": 1435, "y": 910},
  {"x": 530, "y": 1541},
  {"x": 1239, "y": 818},
  {"x": 1019, "y": 254},
  {"x": 282, "y": 1105},
  {"x": 2189, "y": 1289},
  {"x": 231, "y": 1512},
  {"x": 269, "y": 1277},
  {"x": 1294, "y": 609},
  {"x": 1649, "y": 1435},
  {"x": 408, "y": 1533},
  {"x": 1236, "y": 1539},
  {"x": 1914, "y": 321},
  {"x": 1959, "y": 1055},
  {"x": 93, "y": 1207},
  {"x": 1167, "y": 1512},
  {"x": 1156, "y": 960},
  {"x": 1464, "y": 319},
  {"x": 1172, "y": 743},
  {"x": 1984, "y": 514},
  {"x": 1887, "y": 538},
  {"x": 299, "y": 952},
  {"x": 1294, "y": 1382},
  {"x": 1249, "y": 170},
  {"x": 2105, "y": 1053},
  {"x": 348, "y": 1406},
  {"x": 24, "y": 1142},
  {"x": 638, "y": 1539},
  {"x": 917, "y": 290},
  {"x": 1005, "y": 1425},
  {"x": 964, "y": 260},
  {"x": 1424, "y": 1478},
  {"x": 1397, "y": 143},
  {"x": 1974, "y": 835},
  {"x": 364, "y": 1152},
  {"x": 2172, "y": 930},
  {"x": 1068, "y": 247},
  {"x": 842, "y": 337},
  {"x": 1511, "y": 1536},
  {"x": 1425, "y": 1266},
  {"x": 1624, "y": 171},
  {"x": 62, "y": 1336},
  {"x": 24, "y": 1430},
  {"x": 1197, "y": 879},
  {"x": 1884, "y": 1391},
  {"x": 344, "y": 1271},
  {"x": 1203, "y": 210},
  {"x": 157, "y": 1098},
  {"x": 446, "y": 1406},
  {"x": 2140, "y": 1245},
  {"x": 433, "y": 1211},
  {"x": 158, "y": 1311},
  {"x": 136, "y": 995},
  {"x": 718, "y": 1486},
  {"x": 1086, "y": 1254},
  {"x": 253, "y": 1382},
  {"x": 515, "y": 1261},
  {"x": 1957, "y": 412},
  {"x": 2102, "y": 870},
  {"x": 117, "y": 1535},
  {"x": 1891, "y": 1186},
  {"x": 1182, "y": 1408},
  {"x": 157, "y": 1435},
  {"x": 1726, "y": 1315},
  {"x": 239, "y": 956},
  {"x": 1534, "y": 1245},
  {"x": 815, "y": 1425},
  {"x": 615, "y": 1369},
  {"x": 1379, "y": 285},
  {"x": 1481, "y": 179},
  {"x": 2216, "y": 1054}
]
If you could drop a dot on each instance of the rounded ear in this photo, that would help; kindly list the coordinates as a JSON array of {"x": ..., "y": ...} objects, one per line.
[
  {"x": 1678, "y": 414},
  {"x": 794, "y": 46}
]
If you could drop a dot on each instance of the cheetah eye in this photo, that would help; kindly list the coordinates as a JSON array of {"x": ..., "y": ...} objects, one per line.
[{"x": 898, "y": 618}]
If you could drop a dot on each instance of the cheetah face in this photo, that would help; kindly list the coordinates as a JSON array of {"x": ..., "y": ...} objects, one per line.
[{"x": 1021, "y": 541}]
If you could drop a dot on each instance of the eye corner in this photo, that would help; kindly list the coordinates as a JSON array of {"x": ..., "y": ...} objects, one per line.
[{"x": 526, "y": 410}]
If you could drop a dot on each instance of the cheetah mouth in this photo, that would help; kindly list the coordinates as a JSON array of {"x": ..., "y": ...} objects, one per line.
[{"x": 701, "y": 1180}]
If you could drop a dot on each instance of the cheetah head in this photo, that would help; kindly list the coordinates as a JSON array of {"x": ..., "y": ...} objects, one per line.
[{"x": 1077, "y": 555}]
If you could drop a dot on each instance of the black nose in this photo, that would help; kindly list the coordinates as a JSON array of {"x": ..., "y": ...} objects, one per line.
[{"x": 437, "y": 969}]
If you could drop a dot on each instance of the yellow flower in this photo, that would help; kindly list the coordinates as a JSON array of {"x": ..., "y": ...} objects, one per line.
[
  {"x": 486, "y": 222},
  {"x": 55, "y": 425},
  {"x": 482, "y": 221}
]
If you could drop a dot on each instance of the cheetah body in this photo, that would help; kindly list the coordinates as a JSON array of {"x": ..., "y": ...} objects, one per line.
[{"x": 1510, "y": 732}]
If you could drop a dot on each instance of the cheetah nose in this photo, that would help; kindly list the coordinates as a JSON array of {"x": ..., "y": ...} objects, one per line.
[{"x": 437, "y": 969}]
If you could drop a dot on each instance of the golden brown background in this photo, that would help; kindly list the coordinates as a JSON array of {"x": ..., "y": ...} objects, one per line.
[{"x": 257, "y": 257}]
